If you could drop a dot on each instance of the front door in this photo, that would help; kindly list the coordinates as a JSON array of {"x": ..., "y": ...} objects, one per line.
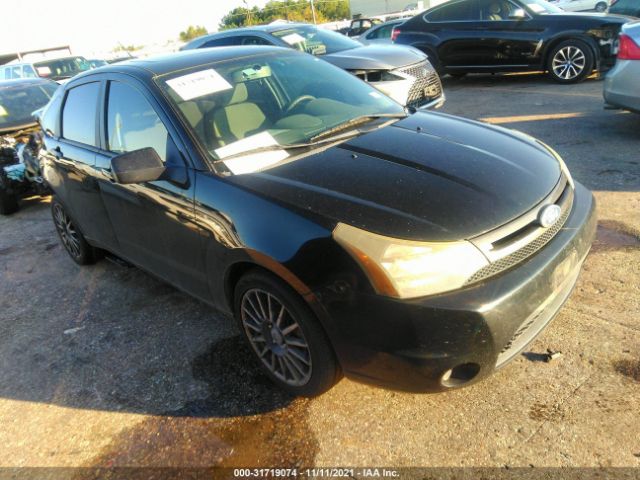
[
  {"x": 154, "y": 222},
  {"x": 508, "y": 41}
]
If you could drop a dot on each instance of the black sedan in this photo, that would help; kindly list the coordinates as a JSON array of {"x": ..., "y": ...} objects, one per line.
[
  {"x": 418, "y": 252},
  {"x": 464, "y": 36}
]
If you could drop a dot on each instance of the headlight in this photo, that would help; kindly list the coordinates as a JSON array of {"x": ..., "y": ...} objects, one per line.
[{"x": 407, "y": 269}]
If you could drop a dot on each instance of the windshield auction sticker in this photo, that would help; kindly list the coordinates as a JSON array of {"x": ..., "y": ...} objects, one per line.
[
  {"x": 293, "y": 38},
  {"x": 251, "y": 162},
  {"x": 199, "y": 84}
]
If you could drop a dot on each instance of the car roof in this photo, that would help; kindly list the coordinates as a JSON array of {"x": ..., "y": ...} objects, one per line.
[
  {"x": 25, "y": 81},
  {"x": 162, "y": 64},
  {"x": 267, "y": 28}
]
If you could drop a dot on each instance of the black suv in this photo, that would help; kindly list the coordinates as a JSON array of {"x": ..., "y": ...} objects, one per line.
[{"x": 464, "y": 36}]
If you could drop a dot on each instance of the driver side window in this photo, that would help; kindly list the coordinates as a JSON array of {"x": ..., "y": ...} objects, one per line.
[{"x": 132, "y": 123}]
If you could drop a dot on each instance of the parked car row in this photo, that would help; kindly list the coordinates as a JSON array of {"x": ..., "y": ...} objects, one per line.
[
  {"x": 56, "y": 69},
  {"x": 401, "y": 73}
]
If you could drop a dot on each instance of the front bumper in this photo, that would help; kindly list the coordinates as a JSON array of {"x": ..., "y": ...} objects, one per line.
[
  {"x": 413, "y": 345},
  {"x": 420, "y": 88},
  {"x": 621, "y": 85}
]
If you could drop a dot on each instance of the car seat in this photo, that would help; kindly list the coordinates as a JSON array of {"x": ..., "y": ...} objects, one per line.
[
  {"x": 494, "y": 11},
  {"x": 238, "y": 119}
]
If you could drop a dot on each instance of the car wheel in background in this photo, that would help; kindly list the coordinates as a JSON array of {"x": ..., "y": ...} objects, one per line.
[
  {"x": 285, "y": 335},
  {"x": 601, "y": 7},
  {"x": 8, "y": 202},
  {"x": 72, "y": 239},
  {"x": 570, "y": 61}
]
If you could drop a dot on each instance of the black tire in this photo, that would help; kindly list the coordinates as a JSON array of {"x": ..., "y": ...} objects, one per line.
[
  {"x": 323, "y": 368},
  {"x": 601, "y": 7},
  {"x": 71, "y": 237},
  {"x": 8, "y": 202},
  {"x": 570, "y": 61},
  {"x": 434, "y": 61}
]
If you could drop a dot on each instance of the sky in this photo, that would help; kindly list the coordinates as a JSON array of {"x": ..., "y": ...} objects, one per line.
[{"x": 98, "y": 26}]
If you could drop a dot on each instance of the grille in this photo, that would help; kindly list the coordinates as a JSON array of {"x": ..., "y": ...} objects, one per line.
[
  {"x": 521, "y": 254},
  {"x": 427, "y": 86}
]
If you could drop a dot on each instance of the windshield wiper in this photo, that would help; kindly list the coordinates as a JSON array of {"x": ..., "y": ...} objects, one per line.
[
  {"x": 291, "y": 146},
  {"x": 356, "y": 121}
]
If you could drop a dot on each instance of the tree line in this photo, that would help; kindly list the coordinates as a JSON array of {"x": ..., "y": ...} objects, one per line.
[{"x": 291, "y": 10}]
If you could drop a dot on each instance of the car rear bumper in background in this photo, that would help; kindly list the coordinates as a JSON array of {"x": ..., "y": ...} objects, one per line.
[
  {"x": 621, "y": 85},
  {"x": 435, "y": 343}
]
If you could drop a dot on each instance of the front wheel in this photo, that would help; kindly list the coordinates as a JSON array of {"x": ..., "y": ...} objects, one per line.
[
  {"x": 571, "y": 61},
  {"x": 72, "y": 239},
  {"x": 601, "y": 7},
  {"x": 285, "y": 335}
]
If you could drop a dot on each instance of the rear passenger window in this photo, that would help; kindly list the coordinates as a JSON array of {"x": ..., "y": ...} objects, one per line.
[
  {"x": 132, "y": 123},
  {"x": 79, "y": 114},
  {"x": 251, "y": 40},
  {"x": 29, "y": 72},
  {"x": 455, "y": 12},
  {"x": 222, "y": 42}
]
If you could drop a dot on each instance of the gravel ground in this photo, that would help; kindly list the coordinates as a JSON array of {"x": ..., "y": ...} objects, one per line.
[{"x": 106, "y": 366}]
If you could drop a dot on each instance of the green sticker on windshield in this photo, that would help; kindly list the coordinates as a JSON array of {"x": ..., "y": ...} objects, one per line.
[{"x": 3, "y": 112}]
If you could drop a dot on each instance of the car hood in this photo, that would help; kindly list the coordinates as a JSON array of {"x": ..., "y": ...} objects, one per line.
[
  {"x": 427, "y": 177},
  {"x": 383, "y": 57}
]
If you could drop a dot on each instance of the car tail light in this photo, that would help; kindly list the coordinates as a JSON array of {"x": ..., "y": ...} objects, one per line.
[
  {"x": 394, "y": 34},
  {"x": 629, "y": 50}
]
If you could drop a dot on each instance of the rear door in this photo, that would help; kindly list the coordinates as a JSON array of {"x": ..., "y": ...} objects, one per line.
[
  {"x": 72, "y": 153},
  {"x": 154, "y": 221},
  {"x": 455, "y": 23}
]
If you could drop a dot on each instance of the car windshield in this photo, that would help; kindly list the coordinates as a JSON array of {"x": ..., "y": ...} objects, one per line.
[
  {"x": 314, "y": 40},
  {"x": 18, "y": 102},
  {"x": 541, "y": 7},
  {"x": 62, "y": 68},
  {"x": 274, "y": 102}
]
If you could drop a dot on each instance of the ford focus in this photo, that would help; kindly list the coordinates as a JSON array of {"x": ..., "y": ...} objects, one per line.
[{"x": 345, "y": 236}]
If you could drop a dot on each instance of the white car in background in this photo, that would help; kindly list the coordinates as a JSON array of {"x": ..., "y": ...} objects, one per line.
[{"x": 582, "y": 5}]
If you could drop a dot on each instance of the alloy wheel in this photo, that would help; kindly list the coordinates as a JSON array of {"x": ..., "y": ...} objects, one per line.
[
  {"x": 276, "y": 337},
  {"x": 68, "y": 233},
  {"x": 568, "y": 62}
]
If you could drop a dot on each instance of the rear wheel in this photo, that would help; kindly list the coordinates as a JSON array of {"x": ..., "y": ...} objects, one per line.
[
  {"x": 284, "y": 335},
  {"x": 601, "y": 7},
  {"x": 571, "y": 61},
  {"x": 72, "y": 239},
  {"x": 8, "y": 202}
]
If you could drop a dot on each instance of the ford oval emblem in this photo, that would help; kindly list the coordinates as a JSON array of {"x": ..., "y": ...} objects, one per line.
[{"x": 549, "y": 215}]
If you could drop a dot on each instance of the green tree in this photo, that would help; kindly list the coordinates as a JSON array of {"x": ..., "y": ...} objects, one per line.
[
  {"x": 292, "y": 10},
  {"x": 192, "y": 32}
]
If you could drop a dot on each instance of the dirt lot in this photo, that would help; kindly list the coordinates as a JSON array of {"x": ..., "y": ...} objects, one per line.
[{"x": 106, "y": 366}]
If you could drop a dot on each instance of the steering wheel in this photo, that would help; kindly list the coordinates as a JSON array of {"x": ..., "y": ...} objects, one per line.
[{"x": 298, "y": 101}]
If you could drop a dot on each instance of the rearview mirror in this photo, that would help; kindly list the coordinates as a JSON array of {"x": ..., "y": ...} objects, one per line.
[
  {"x": 518, "y": 14},
  {"x": 139, "y": 166}
]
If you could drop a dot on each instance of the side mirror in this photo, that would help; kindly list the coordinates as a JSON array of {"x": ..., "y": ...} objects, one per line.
[
  {"x": 518, "y": 14},
  {"x": 139, "y": 166}
]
